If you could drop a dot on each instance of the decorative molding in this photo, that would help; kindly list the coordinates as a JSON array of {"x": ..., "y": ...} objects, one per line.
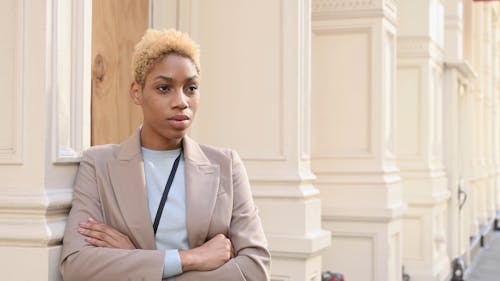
[
  {"x": 389, "y": 94},
  {"x": 164, "y": 14},
  {"x": 185, "y": 17},
  {"x": 335, "y": 5},
  {"x": 419, "y": 47},
  {"x": 298, "y": 246},
  {"x": 34, "y": 219},
  {"x": 453, "y": 22},
  {"x": 12, "y": 154},
  {"x": 353, "y": 176},
  {"x": 284, "y": 192},
  {"x": 305, "y": 74},
  {"x": 364, "y": 155},
  {"x": 391, "y": 6},
  {"x": 365, "y": 214},
  {"x": 78, "y": 125},
  {"x": 337, "y": 9},
  {"x": 464, "y": 67}
]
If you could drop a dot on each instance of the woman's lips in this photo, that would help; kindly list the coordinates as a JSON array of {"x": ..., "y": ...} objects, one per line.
[{"x": 179, "y": 122}]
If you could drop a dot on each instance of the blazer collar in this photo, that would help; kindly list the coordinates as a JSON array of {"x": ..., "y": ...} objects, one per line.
[
  {"x": 202, "y": 184},
  {"x": 131, "y": 148}
]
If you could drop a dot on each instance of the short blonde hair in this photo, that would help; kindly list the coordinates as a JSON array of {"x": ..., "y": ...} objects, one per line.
[{"x": 155, "y": 45}]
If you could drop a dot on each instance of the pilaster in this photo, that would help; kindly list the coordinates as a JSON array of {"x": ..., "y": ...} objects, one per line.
[
  {"x": 496, "y": 104},
  {"x": 419, "y": 125},
  {"x": 458, "y": 129},
  {"x": 476, "y": 194},
  {"x": 488, "y": 76},
  {"x": 44, "y": 115},
  {"x": 353, "y": 152},
  {"x": 256, "y": 99}
]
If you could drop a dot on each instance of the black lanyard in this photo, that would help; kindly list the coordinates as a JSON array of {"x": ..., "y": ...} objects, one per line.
[{"x": 165, "y": 193}]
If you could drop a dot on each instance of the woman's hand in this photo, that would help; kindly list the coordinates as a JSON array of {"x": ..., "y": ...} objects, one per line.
[
  {"x": 209, "y": 256},
  {"x": 102, "y": 235}
]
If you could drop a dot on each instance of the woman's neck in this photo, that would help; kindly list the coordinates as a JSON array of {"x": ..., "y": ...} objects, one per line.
[{"x": 157, "y": 142}]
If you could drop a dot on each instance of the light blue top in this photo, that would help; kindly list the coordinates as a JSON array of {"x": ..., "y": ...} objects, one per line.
[{"x": 171, "y": 235}]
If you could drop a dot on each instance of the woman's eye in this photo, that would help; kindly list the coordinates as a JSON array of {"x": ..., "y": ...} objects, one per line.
[
  {"x": 191, "y": 89},
  {"x": 163, "y": 89}
]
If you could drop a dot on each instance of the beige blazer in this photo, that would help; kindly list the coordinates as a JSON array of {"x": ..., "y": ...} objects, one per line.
[{"x": 110, "y": 187}]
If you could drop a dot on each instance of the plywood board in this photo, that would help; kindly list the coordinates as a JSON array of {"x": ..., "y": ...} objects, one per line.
[{"x": 117, "y": 25}]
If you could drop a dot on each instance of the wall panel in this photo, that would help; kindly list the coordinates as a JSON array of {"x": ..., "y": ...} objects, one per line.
[
  {"x": 412, "y": 229},
  {"x": 249, "y": 100},
  {"x": 353, "y": 247},
  {"x": 408, "y": 112},
  {"x": 337, "y": 129},
  {"x": 11, "y": 71}
]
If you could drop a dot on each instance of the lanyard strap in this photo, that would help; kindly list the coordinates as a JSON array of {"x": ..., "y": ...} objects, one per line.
[{"x": 165, "y": 193}]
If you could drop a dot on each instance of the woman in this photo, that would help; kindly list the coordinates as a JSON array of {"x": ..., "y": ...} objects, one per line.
[{"x": 159, "y": 205}]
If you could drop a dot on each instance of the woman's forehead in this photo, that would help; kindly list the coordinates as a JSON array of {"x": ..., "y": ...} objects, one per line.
[{"x": 174, "y": 67}]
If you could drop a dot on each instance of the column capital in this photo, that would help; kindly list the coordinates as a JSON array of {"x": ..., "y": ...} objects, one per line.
[{"x": 322, "y": 9}]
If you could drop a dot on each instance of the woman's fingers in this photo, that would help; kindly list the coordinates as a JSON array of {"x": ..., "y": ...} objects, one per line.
[
  {"x": 103, "y": 235},
  {"x": 97, "y": 242},
  {"x": 92, "y": 232}
]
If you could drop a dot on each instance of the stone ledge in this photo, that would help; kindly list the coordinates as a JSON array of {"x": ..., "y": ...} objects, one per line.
[
  {"x": 364, "y": 214},
  {"x": 299, "y": 246},
  {"x": 34, "y": 220}
]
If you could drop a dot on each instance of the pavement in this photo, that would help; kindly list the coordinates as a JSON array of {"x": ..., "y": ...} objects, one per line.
[{"x": 487, "y": 265}]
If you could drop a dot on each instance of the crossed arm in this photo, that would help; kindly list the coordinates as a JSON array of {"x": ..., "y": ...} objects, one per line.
[
  {"x": 209, "y": 256},
  {"x": 96, "y": 251}
]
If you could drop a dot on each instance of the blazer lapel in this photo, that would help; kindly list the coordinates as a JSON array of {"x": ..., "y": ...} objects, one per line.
[
  {"x": 127, "y": 178},
  {"x": 202, "y": 184}
]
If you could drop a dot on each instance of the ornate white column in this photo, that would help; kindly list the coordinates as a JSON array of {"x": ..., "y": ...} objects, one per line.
[
  {"x": 255, "y": 98},
  {"x": 487, "y": 73},
  {"x": 353, "y": 152},
  {"x": 496, "y": 104},
  {"x": 45, "y": 75},
  {"x": 419, "y": 126},
  {"x": 476, "y": 189},
  {"x": 457, "y": 129},
  {"x": 480, "y": 12}
]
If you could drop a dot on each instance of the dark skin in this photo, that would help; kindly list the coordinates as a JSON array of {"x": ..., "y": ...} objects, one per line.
[{"x": 169, "y": 100}]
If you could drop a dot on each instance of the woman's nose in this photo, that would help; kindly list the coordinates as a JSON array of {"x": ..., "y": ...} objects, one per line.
[{"x": 180, "y": 99}]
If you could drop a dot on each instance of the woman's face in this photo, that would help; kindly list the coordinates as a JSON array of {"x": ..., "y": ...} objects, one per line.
[{"x": 169, "y": 100}]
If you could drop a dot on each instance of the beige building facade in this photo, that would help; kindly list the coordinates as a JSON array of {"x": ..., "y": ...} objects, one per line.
[{"x": 370, "y": 129}]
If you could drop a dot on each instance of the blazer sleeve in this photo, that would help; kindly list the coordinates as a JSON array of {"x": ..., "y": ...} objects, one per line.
[
  {"x": 252, "y": 260},
  {"x": 81, "y": 261}
]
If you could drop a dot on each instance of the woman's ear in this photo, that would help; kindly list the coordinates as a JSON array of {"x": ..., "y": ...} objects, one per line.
[{"x": 136, "y": 93}]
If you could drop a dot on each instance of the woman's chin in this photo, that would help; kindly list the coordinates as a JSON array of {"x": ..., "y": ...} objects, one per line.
[{"x": 175, "y": 135}]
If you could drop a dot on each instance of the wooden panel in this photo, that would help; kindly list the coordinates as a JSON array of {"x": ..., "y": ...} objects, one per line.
[{"x": 116, "y": 27}]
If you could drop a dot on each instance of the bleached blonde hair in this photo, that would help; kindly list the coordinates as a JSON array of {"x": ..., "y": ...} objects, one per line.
[{"x": 155, "y": 45}]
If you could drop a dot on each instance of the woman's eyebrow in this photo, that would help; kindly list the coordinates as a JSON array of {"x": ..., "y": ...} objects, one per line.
[
  {"x": 189, "y": 79},
  {"x": 166, "y": 78},
  {"x": 170, "y": 79}
]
